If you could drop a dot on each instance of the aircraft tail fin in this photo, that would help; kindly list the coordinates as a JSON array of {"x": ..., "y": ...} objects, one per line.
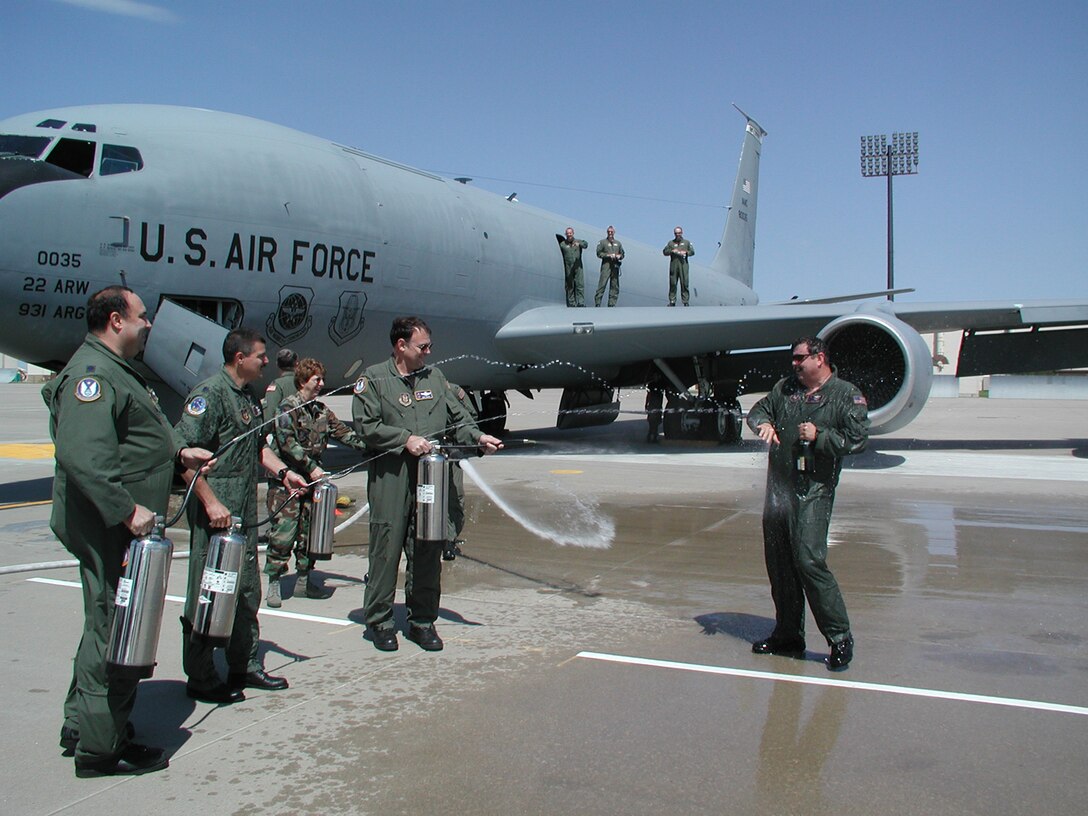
[{"x": 736, "y": 252}]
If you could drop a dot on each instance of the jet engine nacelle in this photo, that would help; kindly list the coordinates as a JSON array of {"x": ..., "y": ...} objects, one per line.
[{"x": 887, "y": 359}]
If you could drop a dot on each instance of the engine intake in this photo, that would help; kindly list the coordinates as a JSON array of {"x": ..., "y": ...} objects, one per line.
[{"x": 885, "y": 358}]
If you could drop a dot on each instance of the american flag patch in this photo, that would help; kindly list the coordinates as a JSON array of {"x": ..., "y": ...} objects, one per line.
[{"x": 859, "y": 400}]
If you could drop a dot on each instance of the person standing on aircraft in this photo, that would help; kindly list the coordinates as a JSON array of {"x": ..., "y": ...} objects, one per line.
[
  {"x": 302, "y": 431},
  {"x": 219, "y": 410},
  {"x": 400, "y": 406},
  {"x": 678, "y": 250},
  {"x": 610, "y": 251},
  {"x": 283, "y": 386},
  {"x": 116, "y": 453},
  {"x": 572, "y": 268},
  {"x": 811, "y": 420}
]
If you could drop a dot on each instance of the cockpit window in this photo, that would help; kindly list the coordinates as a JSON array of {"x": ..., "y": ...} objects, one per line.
[
  {"x": 56, "y": 124},
  {"x": 29, "y": 146},
  {"x": 73, "y": 154},
  {"x": 119, "y": 159},
  {"x": 84, "y": 128}
]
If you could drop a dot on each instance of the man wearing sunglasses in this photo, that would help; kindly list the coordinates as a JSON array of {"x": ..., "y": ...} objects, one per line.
[
  {"x": 811, "y": 420},
  {"x": 400, "y": 406}
]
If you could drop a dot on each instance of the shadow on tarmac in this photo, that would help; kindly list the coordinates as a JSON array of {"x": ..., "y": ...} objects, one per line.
[
  {"x": 29, "y": 490},
  {"x": 744, "y": 627}
]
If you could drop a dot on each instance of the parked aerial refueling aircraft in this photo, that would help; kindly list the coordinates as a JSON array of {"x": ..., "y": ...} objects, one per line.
[{"x": 218, "y": 220}]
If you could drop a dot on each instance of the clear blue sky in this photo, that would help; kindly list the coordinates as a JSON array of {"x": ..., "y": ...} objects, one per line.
[{"x": 634, "y": 100}]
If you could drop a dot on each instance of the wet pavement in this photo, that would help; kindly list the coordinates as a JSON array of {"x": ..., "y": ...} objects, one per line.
[{"x": 619, "y": 679}]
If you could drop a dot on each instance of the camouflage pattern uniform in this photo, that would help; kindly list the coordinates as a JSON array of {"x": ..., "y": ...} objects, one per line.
[{"x": 302, "y": 432}]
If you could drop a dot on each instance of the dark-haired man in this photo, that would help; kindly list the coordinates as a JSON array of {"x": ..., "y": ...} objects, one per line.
[
  {"x": 219, "y": 410},
  {"x": 811, "y": 420},
  {"x": 282, "y": 387},
  {"x": 400, "y": 406},
  {"x": 115, "y": 453}
]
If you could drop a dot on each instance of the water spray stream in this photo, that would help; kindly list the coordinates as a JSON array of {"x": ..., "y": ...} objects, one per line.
[{"x": 597, "y": 530}]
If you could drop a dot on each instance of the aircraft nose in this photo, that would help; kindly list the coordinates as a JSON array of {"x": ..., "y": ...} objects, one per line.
[{"x": 16, "y": 172}]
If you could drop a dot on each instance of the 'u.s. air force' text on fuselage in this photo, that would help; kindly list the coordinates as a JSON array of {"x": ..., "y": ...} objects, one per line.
[{"x": 258, "y": 253}]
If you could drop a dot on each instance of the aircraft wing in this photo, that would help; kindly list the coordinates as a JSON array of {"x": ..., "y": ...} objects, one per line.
[{"x": 621, "y": 335}]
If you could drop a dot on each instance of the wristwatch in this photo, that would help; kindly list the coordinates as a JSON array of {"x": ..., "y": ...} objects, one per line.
[{"x": 281, "y": 473}]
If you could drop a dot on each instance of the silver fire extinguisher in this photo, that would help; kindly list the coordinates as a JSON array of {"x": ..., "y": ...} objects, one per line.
[
  {"x": 322, "y": 518},
  {"x": 219, "y": 586},
  {"x": 432, "y": 497},
  {"x": 138, "y": 605}
]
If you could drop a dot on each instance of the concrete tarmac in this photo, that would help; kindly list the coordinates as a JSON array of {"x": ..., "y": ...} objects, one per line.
[{"x": 613, "y": 673}]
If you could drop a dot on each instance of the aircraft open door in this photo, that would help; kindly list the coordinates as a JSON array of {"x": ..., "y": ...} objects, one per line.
[{"x": 184, "y": 348}]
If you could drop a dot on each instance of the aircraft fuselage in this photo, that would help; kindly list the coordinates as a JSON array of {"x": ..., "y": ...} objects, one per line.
[{"x": 317, "y": 245}]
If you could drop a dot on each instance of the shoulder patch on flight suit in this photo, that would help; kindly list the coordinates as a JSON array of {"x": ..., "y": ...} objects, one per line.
[
  {"x": 197, "y": 406},
  {"x": 405, "y": 400},
  {"x": 461, "y": 394},
  {"x": 424, "y": 395},
  {"x": 859, "y": 400},
  {"x": 88, "y": 389},
  {"x": 271, "y": 387},
  {"x": 360, "y": 385}
]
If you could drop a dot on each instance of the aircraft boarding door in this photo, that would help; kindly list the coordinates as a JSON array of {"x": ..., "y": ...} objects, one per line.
[{"x": 183, "y": 348}]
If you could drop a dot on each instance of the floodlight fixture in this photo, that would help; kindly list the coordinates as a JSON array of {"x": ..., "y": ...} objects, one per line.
[{"x": 900, "y": 158}]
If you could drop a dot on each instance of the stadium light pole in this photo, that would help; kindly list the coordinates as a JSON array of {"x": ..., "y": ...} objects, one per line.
[{"x": 900, "y": 158}]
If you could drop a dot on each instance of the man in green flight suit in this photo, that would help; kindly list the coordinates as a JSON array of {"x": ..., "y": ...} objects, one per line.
[
  {"x": 678, "y": 250},
  {"x": 302, "y": 432},
  {"x": 399, "y": 407},
  {"x": 116, "y": 454},
  {"x": 811, "y": 420},
  {"x": 610, "y": 251},
  {"x": 223, "y": 409},
  {"x": 572, "y": 267}
]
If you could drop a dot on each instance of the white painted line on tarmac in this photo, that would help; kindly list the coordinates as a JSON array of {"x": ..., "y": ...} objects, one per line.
[
  {"x": 850, "y": 684},
  {"x": 272, "y": 613},
  {"x": 965, "y": 464}
]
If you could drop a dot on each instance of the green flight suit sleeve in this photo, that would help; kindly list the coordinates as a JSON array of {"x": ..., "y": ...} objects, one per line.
[
  {"x": 462, "y": 423},
  {"x": 199, "y": 428},
  {"x": 761, "y": 412},
  {"x": 690, "y": 249},
  {"x": 850, "y": 432},
  {"x": 602, "y": 248},
  {"x": 85, "y": 438}
]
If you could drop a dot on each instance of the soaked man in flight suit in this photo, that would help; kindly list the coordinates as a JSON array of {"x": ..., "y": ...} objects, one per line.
[
  {"x": 116, "y": 454},
  {"x": 399, "y": 406},
  {"x": 221, "y": 409},
  {"x": 830, "y": 414}
]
